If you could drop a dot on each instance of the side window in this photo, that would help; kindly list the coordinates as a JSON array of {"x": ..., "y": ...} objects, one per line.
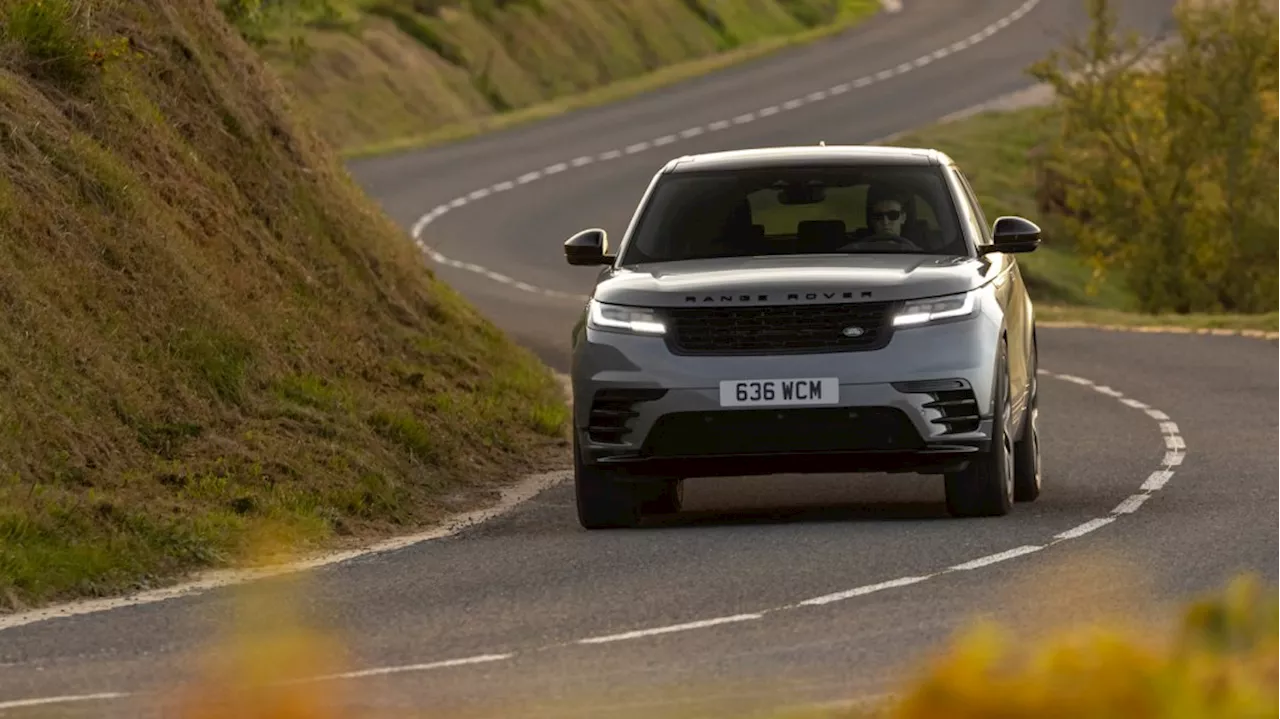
[{"x": 984, "y": 229}]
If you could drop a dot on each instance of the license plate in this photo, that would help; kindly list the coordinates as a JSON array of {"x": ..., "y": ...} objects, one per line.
[{"x": 779, "y": 392}]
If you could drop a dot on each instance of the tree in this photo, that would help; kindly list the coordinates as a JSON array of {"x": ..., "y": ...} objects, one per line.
[{"x": 1169, "y": 154}]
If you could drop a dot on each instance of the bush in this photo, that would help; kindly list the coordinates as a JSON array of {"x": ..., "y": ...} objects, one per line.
[
  {"x": 1221, "y": 662},
  {"x": 1169, "y": 168}
]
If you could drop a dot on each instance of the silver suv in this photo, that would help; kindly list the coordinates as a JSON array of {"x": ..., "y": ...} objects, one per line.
[{"x": 805, "y": 310}]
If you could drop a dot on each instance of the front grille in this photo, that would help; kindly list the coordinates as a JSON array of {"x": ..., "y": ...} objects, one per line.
[
  {"x": 772, "y": 431},
  {"x": 778, "y": 329},
  {"x": 612, "y": 408}
]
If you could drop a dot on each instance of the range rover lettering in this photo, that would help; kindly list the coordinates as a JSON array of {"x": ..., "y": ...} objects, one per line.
[{"x": 826, "y": 309}]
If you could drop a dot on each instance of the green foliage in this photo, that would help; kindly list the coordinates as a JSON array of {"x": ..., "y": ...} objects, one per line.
[
  {"x": 55, "y": 38},
  {"x": 1170, "y": 167}
]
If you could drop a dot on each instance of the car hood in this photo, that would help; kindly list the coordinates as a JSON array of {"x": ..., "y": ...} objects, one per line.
[{"x": 791, "y": 280}]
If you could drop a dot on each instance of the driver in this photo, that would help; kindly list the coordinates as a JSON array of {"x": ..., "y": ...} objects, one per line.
[
  {"x": 886, "y": 218},
  {"x": 885, "y": 212}
]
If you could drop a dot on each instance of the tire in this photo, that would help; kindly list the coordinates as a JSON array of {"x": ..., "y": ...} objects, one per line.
[
  {"x": 985, "y": 487},
  {"x": 1026, "y": 453},
  {"x": 603, "y": 501}
]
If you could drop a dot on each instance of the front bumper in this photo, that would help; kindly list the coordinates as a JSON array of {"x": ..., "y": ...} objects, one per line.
[{"x": 919, "y": 404}]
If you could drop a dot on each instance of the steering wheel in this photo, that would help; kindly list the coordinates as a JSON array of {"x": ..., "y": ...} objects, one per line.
[{"x": 886, "y": 237}]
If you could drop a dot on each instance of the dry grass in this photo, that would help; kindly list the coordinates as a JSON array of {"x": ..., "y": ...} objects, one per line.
[{"x": 206, "y": 327}]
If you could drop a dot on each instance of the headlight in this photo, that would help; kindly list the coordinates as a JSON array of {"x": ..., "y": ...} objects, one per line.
[
  {"x": 918, "y": 312},
  {"x": 625, "y": 319}
]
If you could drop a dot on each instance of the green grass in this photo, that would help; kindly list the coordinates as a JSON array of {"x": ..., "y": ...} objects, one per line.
[
  {"x": 393, "y": 77},
  {"x": 210, "y": 333},
  {"x": 992, "y": 149}
]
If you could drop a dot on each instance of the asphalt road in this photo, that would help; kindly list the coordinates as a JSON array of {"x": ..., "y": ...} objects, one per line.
[{"x": 518, "y": 594}]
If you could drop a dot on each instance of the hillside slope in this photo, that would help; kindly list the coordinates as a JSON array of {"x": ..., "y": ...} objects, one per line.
[
  {"x": 207, "y": 330},
  {"x": 377, "y": 71}
]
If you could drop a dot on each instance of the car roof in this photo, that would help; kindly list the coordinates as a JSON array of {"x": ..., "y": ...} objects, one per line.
[{"x": 808, "y": 156}]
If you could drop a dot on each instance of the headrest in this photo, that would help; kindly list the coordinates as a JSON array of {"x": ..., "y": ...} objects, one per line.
[{"x": 821, "y": 231}]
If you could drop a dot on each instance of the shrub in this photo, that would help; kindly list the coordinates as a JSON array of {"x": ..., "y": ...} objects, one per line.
[
  {"x": 1169, "y": 168},
  {"x": 1221, "y": 662}
]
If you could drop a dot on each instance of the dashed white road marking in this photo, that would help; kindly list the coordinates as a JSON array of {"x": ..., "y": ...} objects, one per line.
[
  {"x": 408, "y": 668},
  {"x": 1083, "y": 529},
  {"x": 772, "y": 110},
  {"x": 687, "y": 626},
  {"x": 1156, "y": 481},
  {"x": 862, "y": 591},
  {"x": 1130, "y": 504},
  {"x": 998, "y": 557},
  {"x": 68, "y": 699}
]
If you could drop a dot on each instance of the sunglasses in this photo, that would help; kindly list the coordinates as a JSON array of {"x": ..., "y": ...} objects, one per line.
[{"x": 890, "y": 215}]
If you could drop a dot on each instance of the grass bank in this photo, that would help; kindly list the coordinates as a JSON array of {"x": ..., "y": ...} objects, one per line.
[
  {"x": 208, "y": 332},
  {"x": 386, "y": 75},
  {"x": 995, "y": 149}
]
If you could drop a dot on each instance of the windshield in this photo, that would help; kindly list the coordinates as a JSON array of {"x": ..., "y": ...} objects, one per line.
[{"x": 789, "y": 211}]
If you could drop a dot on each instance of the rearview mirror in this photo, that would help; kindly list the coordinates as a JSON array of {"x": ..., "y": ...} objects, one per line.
[
  {"x": 588, "y": 248},
  {"x": 809, "y": 193},
  {"x": 1013, "y": 235}
]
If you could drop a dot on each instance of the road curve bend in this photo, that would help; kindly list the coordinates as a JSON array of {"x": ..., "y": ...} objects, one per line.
[{"x": 1159, "y": 452}]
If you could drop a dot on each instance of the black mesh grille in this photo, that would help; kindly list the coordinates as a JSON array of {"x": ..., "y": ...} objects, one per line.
[
  {"x": 778, "y": 329},
  {"x": 959, "y": 410},
  {"x": 771, "y": 431},
  {"x": 611, "y": 409}
]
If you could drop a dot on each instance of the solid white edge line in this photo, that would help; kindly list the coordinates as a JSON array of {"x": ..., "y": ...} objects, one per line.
[{"x": 511, "y": 497}]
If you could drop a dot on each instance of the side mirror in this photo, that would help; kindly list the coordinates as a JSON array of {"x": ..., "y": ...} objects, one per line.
[
  {"x": 1013, "y": 235},
  {"x": 588, "y": 248}
]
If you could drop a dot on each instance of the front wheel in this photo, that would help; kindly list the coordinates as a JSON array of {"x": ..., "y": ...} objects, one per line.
[
  {"x": 1026, "y": 453},
  {"x": 603, "y": 501},
  {"x": 985, "y": 487}
]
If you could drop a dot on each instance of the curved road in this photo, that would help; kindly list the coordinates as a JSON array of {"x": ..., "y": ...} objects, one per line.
[{"x": 1159, "y": 450}]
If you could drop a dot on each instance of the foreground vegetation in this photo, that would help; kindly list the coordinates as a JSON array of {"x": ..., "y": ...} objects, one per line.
[
  {"x": 387, "y": 74},
  {"x": 207, "y": 330},
  {"x": 1218, "y": 659}
]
